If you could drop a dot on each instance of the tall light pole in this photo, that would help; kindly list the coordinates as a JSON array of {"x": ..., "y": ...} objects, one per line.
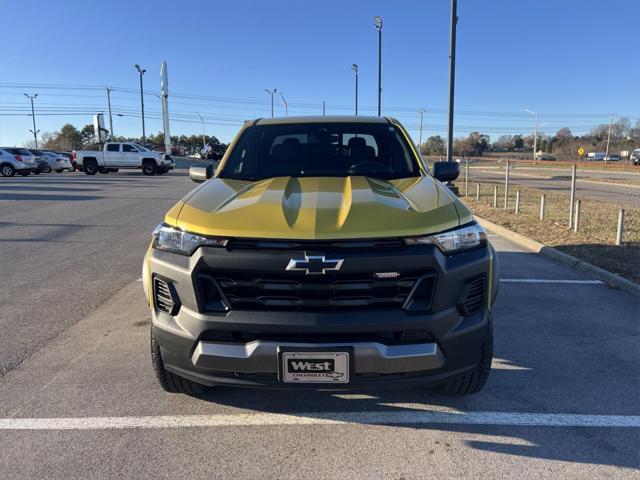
[
  {"x": 377, "y": 24},
  {"x": 284, "y": 103},
  {"x": 606, "y": 154},
  {"x": 535, "y": 133},
  {"x": 33, "y": 117},
  {"x": 110, "y": 117},
  {"x": 141, "y": 71},
  {"x": 354, "y": 67},
  {"x": 324, "y": 108},
  {"x": 421, "y": 113},
  {"x": 204, "y": 144},
  {"x": 452, "y": 76},
  {"x": 272, "y": 93}
]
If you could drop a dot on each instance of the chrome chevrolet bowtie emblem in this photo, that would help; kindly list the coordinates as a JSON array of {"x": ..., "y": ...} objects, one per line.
[{"x": 314, "y": 264}]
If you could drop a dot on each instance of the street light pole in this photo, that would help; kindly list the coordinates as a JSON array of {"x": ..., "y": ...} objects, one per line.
[
  {"x": 110, "y": 117},
  {"x": 535, "y": 133},
  {"x": 606, "y": 154},
  {"x": 33, "y": 117},
  {"x": 204, "y": 143},
  {"x": 354, "y": 67},
  {"x": 284, "y": 102},
  {"x": 452, "y": 76},
  {"x": 421, "y": 112},
  {"x": 141, "y": 71},
  {"x": 272, "y": 93},
  {"x": 378, "y": 26}
]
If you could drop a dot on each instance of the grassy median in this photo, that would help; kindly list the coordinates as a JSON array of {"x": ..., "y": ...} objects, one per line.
[{"x": 595, "y": 240}]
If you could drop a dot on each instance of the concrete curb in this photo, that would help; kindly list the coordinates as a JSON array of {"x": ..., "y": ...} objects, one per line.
[{"x": 610, "y": 279}]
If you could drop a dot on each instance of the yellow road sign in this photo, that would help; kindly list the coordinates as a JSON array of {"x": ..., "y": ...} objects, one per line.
[{"x": 581, "y": 151}]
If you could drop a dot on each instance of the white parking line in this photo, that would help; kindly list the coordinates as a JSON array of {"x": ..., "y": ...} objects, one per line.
[
  {"x": 324, "y": 418},
  {"x": 543, "y": 280}
]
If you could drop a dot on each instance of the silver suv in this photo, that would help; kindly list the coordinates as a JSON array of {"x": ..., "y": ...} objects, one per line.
[{"x": 12, "y": 162}]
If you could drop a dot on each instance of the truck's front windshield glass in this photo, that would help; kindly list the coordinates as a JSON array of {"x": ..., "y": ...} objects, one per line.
[
  {"x": 141, "y": 148},
  {"x": 321, "y": 150}
]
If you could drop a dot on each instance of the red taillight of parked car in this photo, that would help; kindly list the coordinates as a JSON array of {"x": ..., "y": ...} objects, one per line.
[
  {"x": 18, "y": 158},
  {"x": 73, "y": 155}
]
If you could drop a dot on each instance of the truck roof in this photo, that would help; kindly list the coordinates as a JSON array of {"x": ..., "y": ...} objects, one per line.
[{"x": 320, "y": 119}]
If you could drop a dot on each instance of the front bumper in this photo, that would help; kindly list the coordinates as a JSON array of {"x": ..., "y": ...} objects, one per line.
[{"x": 450, "y": 342}]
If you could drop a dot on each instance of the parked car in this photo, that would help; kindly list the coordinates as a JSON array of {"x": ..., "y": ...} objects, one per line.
[
  {"x": 69, "y": 157},
  {"x": 635, "y": 156},
  {"x": 41, "y": 164},
  {"x": 323, "y": 254},
  {"x": 116, "y": 155},
  {"x": 57, "y": 162},
  {"x": 42, "y": 160},
  {"x": 11, "y": 162},
  {"x": 595, "y": 156},
  {"x": 612, "y": 158}
]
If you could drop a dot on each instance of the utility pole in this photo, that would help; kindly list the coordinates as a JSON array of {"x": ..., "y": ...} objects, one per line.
[
  {"x": 204, "y": 143},
  {"x": 110, "y": 117},
  {"x": 452, "y": 76},
  {"x": 378, "y": 26},
  {"x": 141, "y": 71},
  {"x": 354, "y": 67},
  {"x": 535, "y": 133},
  {"x": 33, "y": 117},
  {"x": 323, "y": 108},
  {"x": 284, "y": 102},
  {"x": 421, "y": 112},
  {"x": 606, "y": 155},
  {"x": 272, "y": 93}
]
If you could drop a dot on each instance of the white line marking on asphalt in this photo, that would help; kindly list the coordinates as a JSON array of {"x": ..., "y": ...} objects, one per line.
[
  {"x": 542, "y": 280},
  {"x": 324, "y": 418}
]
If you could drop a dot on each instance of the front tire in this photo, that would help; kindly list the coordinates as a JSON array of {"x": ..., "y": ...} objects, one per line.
[
  {"x": 7, "y": 170},
  {"x": 475, "y": 380},
  {"x": 170, "y": 382},
  {"x": 149, "y": 167}
]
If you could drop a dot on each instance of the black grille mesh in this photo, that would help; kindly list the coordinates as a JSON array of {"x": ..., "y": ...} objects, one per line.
[{"x": 165, "y": 298}]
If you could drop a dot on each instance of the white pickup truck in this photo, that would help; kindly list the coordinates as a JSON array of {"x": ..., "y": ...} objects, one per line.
[{"x": 117, "y": 155}]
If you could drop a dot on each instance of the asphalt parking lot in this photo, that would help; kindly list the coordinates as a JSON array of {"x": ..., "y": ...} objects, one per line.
[{"x": 78, "y": 398}]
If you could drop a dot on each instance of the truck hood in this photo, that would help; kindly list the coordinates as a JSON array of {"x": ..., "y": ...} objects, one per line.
[{"x": 319, "y": 208}]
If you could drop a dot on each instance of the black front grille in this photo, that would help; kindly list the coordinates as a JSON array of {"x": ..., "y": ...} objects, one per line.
[
  {"x": 318, "y": 245},
  {"x": 391, "y": 337},
  {"x": 166, "y": 300},
  {"x": 472, "y": 296},
  {"x": 313, "y": 292}
]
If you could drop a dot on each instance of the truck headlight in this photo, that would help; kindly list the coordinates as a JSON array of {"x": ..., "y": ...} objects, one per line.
[
  {"x": 178, "y": 241},
  {"x": 464, "y": 238}
]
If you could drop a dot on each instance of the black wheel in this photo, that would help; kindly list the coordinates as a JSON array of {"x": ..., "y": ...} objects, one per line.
[
  {"x": 149, "y": 167},
  {"x": 475, "y": 380},
  {"x": 48, "y": 170},
  {"x": 36, "y": 172},
  {"x": 170, "y": 382},
  {"x": 60, "y": 170},
  {"x": 114, "y": 170},
  {"x": 91, "y": 167},
  {"x": 7, "y": 170},
  {"x": 72, "y": 169}
]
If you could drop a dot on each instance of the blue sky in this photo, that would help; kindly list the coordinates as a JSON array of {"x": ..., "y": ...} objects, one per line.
[{"x": 574, "y": 61}]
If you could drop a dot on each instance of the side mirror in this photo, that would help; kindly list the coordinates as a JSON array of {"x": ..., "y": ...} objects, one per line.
[
  {"x": 201, "y": 174},
  {"x": 446, "y": 171}
]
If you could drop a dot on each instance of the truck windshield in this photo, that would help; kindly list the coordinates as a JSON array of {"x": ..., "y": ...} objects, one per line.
[
  {"x": 321, "y": 150},
  {"x": 141, "y": 148}
]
